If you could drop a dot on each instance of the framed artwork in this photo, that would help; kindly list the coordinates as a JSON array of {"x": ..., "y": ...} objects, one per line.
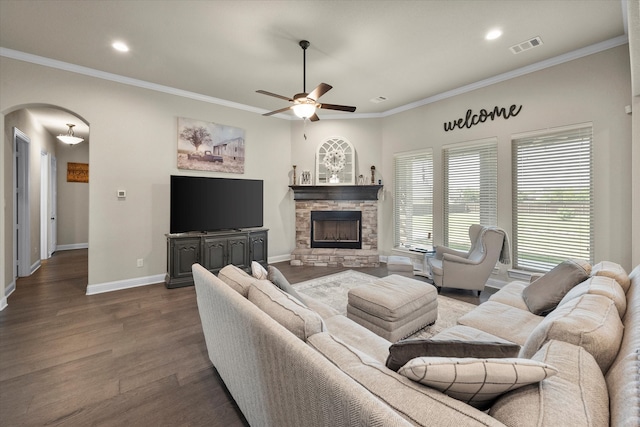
[
  {"x": 305, "y": 178},
  {"x": 77, "y": 172},
  {"x": 335, "y": 162},
  {"x": 209, "y": 146}
]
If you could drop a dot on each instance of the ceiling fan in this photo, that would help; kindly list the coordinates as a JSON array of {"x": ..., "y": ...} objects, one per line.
[{"x": 304, "y": 104}]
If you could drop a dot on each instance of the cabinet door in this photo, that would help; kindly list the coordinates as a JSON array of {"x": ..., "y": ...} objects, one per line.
[
  {"x": 214, "y": 254},
  {"x": 186, "y": 252},
  {"x": 258, "y": 247},
  {"x": 238, "y": 251}
]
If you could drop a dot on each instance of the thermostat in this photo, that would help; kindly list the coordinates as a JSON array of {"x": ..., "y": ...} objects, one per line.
[{"x": 122, "y": 194}]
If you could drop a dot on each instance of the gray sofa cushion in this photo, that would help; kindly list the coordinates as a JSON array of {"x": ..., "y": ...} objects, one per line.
[
  {"x": 543, "y": 295},
  {"x": 403, "y": 351},
  {"x": 511, "y": 294},
  {"x": 285, "y": 309},
  {"x": 600, "y": 285},
  {"x": 504, "y": 321},
  {"x": 236, "y": 278},
  {"x": 589, "y": 321},
  {"x": 576, "y": 396},
  {"x": 613, "y": 270}
]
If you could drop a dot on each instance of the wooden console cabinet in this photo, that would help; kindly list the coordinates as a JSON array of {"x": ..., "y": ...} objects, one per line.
[{"x": 213, "y": 251}]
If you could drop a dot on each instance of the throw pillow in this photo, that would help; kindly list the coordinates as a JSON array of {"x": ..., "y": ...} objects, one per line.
[
  {"x": 258, "y": 271},
  {"x": 476, "y": 382},
  {"x": 277, "y": 278},
  {"x": 404, "y": 350},
  {"x": 543, "y": 295}
]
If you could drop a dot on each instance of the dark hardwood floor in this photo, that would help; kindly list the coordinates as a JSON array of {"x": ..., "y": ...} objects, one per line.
[{"x": 133, "y": 357}]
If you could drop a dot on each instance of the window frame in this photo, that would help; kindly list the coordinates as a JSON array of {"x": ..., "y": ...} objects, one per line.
[
  {"x": 425, "y": 195},
  {"x": 567, "y": 202},
  {"x": 486, "y": 186}
]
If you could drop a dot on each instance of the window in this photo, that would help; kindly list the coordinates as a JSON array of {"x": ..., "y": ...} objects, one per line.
[
  {"x": 470, "y": 190},
  {"x": 553, "y": 198},
  {"x": 413, "y": 203}
]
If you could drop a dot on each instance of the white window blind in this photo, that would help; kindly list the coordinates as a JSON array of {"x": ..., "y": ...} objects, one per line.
[
  {"x": 553, "y": 198},
  {"x": 470, "y": 190},
  {"x": 413, "y": 202}
]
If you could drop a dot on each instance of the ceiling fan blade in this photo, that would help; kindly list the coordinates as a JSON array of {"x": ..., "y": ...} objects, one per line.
[
  {"x": 314, "y": 118},
  {"x": 282, "y": 110},
  {"x": 319, "y": 91},
  {"x": 338, "y": 107},
  {"x": 264, "y": 92}
]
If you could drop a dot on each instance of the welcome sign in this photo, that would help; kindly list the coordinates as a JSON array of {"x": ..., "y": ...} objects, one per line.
[{"x": 471, "y": 119}]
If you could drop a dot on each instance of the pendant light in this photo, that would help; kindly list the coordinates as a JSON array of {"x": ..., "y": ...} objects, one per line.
[{"x": 69, "y": 137}]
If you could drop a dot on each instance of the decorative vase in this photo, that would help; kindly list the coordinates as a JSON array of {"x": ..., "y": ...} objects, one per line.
[{"x": 334, "y": 179}]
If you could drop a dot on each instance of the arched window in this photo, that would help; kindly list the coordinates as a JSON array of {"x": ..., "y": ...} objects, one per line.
[{"x": 335, "y": 162}]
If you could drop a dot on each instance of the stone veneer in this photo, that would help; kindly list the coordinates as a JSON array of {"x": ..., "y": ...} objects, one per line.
[{"x": 365, "y": 257}]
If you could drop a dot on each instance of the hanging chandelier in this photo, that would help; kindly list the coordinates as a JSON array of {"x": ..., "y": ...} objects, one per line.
[{"x": 69, "y": 137}]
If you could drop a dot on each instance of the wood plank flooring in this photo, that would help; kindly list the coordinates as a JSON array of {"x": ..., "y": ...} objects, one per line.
[{"x": 133, "y": 357}]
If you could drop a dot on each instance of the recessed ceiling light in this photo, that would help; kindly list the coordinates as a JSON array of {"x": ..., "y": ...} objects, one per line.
[
  {"x": 493, "y": 34},
  {"x": 120, "y": 46}
]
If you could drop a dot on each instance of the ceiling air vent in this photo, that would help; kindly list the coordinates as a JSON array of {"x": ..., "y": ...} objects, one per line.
[
  {"x": 529, "y": 44},
  {"x": 378, "y": 99}
]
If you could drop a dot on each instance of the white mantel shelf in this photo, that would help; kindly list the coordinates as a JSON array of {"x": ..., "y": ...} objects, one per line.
[{"x": 335, "y": 192}]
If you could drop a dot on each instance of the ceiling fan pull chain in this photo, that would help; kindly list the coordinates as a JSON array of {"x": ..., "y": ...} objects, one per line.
[{"x": 304, "y": 128}]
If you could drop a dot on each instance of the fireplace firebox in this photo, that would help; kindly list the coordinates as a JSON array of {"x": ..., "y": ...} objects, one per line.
[{"x": 336, "y": 229}]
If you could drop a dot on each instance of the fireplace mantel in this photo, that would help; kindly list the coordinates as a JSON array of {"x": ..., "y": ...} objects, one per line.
[{"x": 335, "y": 192}]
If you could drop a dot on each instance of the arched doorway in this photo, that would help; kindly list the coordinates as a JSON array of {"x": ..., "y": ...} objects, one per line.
[{"x": 43, "y": 202}]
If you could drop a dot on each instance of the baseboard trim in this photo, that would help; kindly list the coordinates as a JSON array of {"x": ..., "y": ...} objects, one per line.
[
  {"x": 35, "y": 266},
  {"x": 72, "y": 246},
  {"x": 279, "y": 258},
  {"x": 119, "y": 285},
  {"x": 4, "y": 301}
]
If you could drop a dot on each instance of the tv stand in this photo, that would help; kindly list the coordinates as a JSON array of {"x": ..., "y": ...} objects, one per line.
[{"x": 213, "y": 250}]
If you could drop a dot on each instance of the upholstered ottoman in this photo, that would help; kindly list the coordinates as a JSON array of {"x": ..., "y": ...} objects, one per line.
[{"x": 393, "y": 307}]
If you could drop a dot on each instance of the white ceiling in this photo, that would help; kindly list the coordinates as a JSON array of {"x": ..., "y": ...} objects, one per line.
[{"x": 406, "y": 51}]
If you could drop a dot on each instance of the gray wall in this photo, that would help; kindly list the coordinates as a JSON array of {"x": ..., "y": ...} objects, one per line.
[{"x": 133, "y": 147}]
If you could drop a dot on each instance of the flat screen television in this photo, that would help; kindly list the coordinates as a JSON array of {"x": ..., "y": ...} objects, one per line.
[{"x": 201, "y": 204}]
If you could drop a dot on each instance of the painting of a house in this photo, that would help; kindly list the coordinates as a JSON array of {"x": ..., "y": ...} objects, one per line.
[{"x": 210, "y": 146}]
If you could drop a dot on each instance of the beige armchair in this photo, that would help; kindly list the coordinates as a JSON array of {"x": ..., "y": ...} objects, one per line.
[{"x": 450, "y": 268}]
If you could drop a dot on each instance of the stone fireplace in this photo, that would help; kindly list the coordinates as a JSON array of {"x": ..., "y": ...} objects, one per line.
[{"x": 347, "y": 217}]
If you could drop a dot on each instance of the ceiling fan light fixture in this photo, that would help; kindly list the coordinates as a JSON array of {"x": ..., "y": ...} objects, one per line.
[
  {"x": 69, "y": 137},
  {"x": 305, "y": 110}
]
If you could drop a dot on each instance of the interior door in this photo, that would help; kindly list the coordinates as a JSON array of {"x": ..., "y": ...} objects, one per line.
[
  {"x": 53, "y": 192},
  {"x": 21, "y": 217}
]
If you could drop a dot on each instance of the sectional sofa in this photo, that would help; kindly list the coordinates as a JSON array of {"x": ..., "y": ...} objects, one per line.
[{"x": 288, "y": 362}]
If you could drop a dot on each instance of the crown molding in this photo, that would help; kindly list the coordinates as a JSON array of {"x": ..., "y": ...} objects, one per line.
[
  {"x": 538, "y": 66},
  {"x": 60, "y": 65}
]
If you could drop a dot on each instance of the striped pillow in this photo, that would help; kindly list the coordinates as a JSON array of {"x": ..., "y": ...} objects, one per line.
[{"x": 477, "y": 382}]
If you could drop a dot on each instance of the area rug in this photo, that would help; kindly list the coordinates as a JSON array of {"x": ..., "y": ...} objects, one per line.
[{"x": 332, "y": 290}]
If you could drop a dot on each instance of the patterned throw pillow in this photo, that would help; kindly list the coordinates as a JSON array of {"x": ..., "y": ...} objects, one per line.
[{"x": 477, "y": 382}]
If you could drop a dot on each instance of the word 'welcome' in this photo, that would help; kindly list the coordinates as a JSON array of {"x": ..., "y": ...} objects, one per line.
[{"x": 473, "y": 119}]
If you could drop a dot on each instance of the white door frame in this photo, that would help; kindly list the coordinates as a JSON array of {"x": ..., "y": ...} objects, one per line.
[
  {"x": 48, "y": 208},
  {"x": 20, "y": 214},
  {"x": 44, "y": 205},
  {"x": 53, "y": 194}
]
